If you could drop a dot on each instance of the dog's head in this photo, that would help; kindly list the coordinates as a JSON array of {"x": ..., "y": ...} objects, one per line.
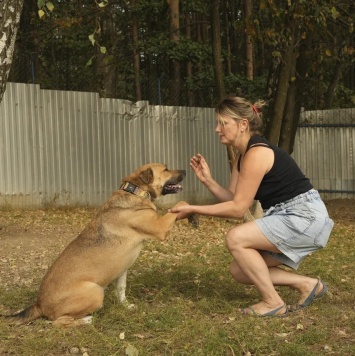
[{"x": 157, "y": 179}]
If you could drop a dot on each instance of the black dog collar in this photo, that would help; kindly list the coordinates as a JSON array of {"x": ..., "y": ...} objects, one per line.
[{"x": 133, "y": 189}]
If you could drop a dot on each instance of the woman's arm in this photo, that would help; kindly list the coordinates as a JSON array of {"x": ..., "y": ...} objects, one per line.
[
  {"x": 257, "y": 162},
  {"x": 202, "y": 171}
]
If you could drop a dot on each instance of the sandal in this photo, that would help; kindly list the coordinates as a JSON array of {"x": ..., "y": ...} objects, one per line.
[
  {"x": 309, "y": 300},
  {"x": 270, "y": 313}
]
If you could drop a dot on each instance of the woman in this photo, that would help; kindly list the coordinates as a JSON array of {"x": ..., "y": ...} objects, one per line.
[{"x": 295, "y": 221}]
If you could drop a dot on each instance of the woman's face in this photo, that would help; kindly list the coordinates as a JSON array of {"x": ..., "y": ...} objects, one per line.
[{"x": 228, "y": 129}]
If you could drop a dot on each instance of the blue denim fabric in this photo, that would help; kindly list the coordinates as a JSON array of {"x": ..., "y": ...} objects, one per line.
[{"x": 297, "y": 227}]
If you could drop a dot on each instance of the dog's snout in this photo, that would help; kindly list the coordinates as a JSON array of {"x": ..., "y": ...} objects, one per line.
[{"x": 183, "y": 172}]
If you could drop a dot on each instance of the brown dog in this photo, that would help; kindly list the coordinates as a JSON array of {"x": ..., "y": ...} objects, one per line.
[{"x": 74, "y": 285}]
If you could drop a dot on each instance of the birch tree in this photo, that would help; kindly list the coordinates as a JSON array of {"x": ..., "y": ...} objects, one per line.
[{"x": 10, "y": 13}]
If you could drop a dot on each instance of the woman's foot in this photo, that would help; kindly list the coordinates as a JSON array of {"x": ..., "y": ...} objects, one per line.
[
  {"x": 263, "y": 310},
  {"x": 308, "y": 295}
]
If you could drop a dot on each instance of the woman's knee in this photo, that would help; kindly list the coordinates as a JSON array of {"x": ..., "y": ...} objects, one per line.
[{"x": 233, "y": 239}]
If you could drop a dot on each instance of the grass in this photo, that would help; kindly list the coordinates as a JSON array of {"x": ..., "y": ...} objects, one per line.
[{"x": 186, "y": 302}]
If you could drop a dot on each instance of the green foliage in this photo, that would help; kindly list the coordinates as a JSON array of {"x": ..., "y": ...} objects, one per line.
[
  {"x": 82, "y": 46},
  {"x": 58, "y": 36},
  {"x": 252, "y": 89},
  {"x": 44, "y": 8},
  {"x": 345, "y": 98},
  {"x": 199, "y": 6},
  {"x": 189, "y": 50}
]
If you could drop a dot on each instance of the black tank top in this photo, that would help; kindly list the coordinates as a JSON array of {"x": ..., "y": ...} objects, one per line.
[{"x": 285, "y": 179}]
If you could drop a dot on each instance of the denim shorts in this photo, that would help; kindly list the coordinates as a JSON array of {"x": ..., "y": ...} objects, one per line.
[{"x": 297, "y": 227}]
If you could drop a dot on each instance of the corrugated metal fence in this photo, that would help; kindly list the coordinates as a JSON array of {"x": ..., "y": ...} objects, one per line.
[
  {"x": 73, "y": 148},
  {"x": 325, "y": 150},
  {"x": 67, "y": 148}
]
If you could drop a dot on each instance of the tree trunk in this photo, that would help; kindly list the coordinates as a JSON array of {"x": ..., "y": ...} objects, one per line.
[
  {"x": 295, "y": 95},
  {"x": 217, "y": 50},
  {"x": 289, "y": 110},
  {"x": 217, "y": 64},
  {"x": 273, "y": 129},
  {"x": 249, "y": 48},
  {"x": 189, "y": 65},
  {"x": 107, "y": 70},
  {"x": 228, "y": 45},
  {"x": 25, "y": 54},
  {"x": 10, "y": 11},
  {"x": 136, "y": 59},
  {"x": 175, "y": 37}
]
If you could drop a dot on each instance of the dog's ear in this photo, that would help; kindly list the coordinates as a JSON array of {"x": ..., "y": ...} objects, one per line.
[{"x": 147, "y": 176}]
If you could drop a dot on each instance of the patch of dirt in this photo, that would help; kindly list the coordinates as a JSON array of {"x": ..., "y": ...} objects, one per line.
[
  {"x": 341, "y": 210},
  {"x": 31, "y": 239}
]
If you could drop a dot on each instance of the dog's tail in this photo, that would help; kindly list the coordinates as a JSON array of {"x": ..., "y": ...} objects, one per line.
[{"x": 25, "y": 316}]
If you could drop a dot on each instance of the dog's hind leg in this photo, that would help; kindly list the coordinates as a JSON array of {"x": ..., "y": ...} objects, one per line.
[
  {"x": 74, "y": 308},
  {"x": 68, "y": 321}
]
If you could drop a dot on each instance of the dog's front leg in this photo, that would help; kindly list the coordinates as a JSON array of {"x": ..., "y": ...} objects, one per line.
[
  {"x": 121, "y": 283},
  {"x": 164, "y": 225},
  {"x": 121, "y": 287}
]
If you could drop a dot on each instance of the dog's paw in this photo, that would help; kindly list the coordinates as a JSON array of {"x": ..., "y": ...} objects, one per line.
[
  {"x": 193, "y": 220},
  {"x": 128, "y": 305},
  {"x": 87, "y": 320}
]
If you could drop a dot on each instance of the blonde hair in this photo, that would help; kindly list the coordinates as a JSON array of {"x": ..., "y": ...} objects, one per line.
[{"x": 238, "y": 108}]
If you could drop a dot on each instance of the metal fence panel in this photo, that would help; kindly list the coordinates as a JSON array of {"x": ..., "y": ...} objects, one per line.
[{"x": 324, "y": 149}]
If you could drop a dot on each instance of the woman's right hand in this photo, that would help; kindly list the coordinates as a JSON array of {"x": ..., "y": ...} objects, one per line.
[{"x": 201, "y": 168}]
